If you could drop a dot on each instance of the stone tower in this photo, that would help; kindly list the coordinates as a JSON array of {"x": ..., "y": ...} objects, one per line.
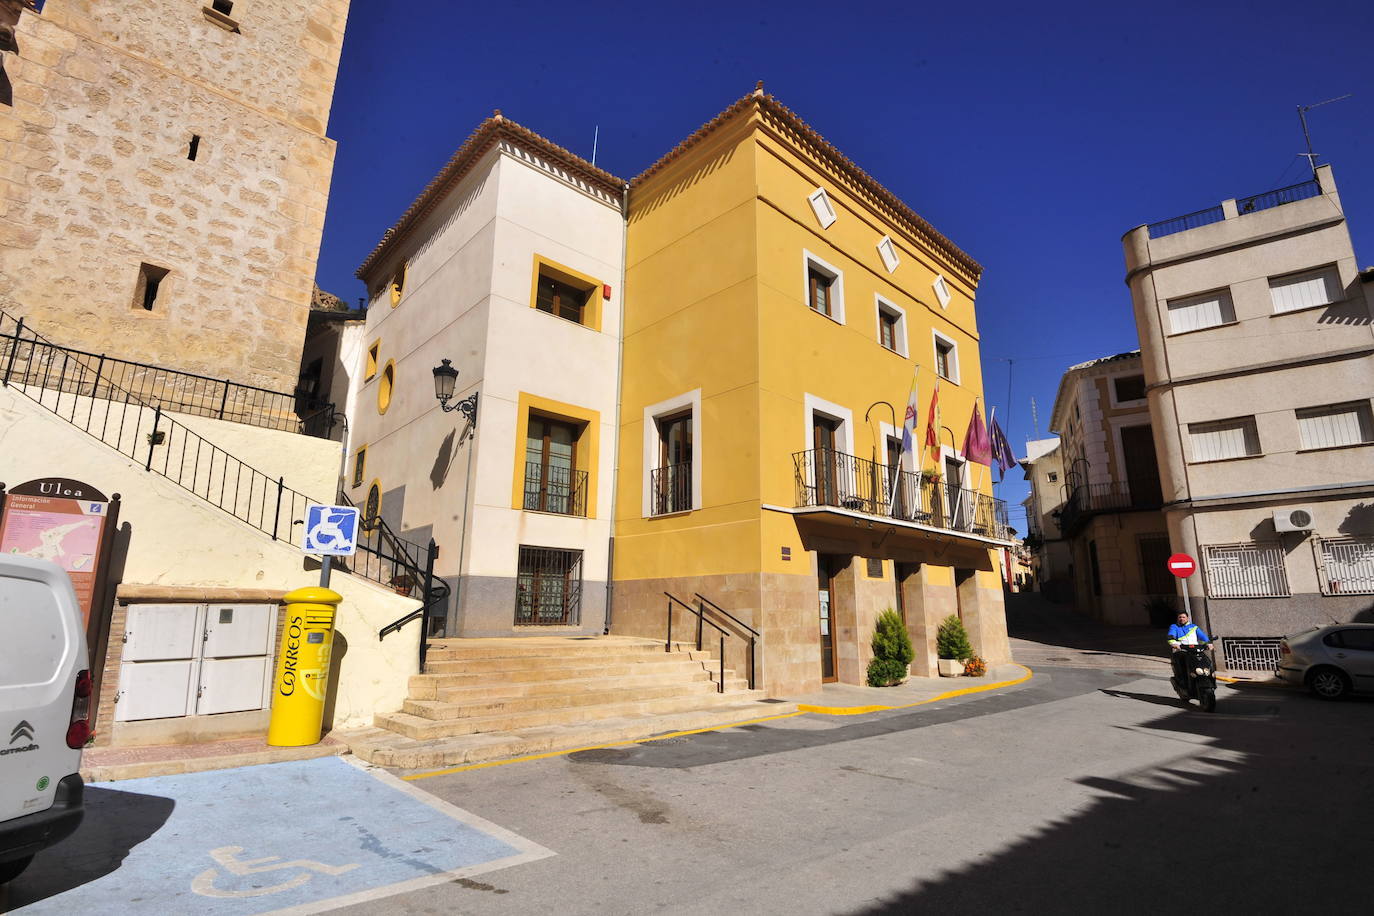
[{"x": 164, "y": 172}]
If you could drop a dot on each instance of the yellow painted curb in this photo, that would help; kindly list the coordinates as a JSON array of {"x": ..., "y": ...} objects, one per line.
[
  {"x": 861, "y": 710},
  {"x": 593, "y": 747}
]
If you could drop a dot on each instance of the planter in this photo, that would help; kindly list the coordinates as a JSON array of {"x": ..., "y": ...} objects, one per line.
[{"x": 951, "y": 667}]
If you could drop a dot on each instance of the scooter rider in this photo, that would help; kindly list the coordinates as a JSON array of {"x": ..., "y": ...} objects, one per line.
[{"x": 1185, "y": 633}]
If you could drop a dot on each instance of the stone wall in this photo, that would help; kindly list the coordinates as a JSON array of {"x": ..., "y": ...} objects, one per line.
[{"x": 95, "y": 179}]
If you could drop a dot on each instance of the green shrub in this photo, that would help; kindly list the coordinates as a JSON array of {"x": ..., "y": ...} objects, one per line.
[
  {"x": 951, "y": 640},
  {"x": 892, "y": 651}
]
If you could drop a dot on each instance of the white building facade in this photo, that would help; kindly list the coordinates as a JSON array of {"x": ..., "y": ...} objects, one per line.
[{"x": 509, "y": 265}]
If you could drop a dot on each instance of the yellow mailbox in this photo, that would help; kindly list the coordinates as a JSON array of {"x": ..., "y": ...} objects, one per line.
[{"x": 298, "y": 692}]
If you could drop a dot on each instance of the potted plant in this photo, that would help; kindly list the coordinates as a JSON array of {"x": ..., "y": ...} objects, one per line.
[
  {"x": 892, "y": 651},
  {"x": 952, "y": 646},
  {"x": 974, "y": 666}
]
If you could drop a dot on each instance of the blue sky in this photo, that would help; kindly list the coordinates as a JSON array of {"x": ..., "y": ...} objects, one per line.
[{"x": 1033, "y": 135}]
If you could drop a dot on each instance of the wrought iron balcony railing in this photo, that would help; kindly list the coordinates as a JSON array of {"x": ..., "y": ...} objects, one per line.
[
  {"x": 554, "y": 489},
  {"x": 830, "y": 478},
  {"x": 1087, "y": 500},
  {"x": 671, "y": 488}
]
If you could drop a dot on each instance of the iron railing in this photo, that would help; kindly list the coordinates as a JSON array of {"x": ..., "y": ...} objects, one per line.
[
  {"x": 1245, "y": 571},
  {"x": 1086, "y": 500},
  {"x": 1253, "y": 204},
  {"x": 104, "y": 376},
  {"x": 1250, "y": 653},
  {"x": 1187, "y": 221},
  {"x": 70, "y": 384},
  {"x": 701, "y": 620},
  {"x": 830, "y": 478},
  {"x": 1270, "y": 199},
  {"x": 754, "y": 635},
  {"x": 554, "y": 489},
  {"x": 671, "y": 488}
]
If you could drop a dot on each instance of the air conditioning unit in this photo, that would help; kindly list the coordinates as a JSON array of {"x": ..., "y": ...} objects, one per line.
[{"x": 1293, "y": 520}]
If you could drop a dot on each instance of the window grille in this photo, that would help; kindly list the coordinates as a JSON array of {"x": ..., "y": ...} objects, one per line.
[
  {"x": 1245, "y": 571},
  {"x": 548, "y": 588},
  {"x": 1346, "y": 565},
  {"x": 1251, "y": 653}
]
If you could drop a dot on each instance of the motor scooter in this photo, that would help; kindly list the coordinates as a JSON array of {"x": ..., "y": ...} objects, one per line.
[{"x": 1201, "y": 675}]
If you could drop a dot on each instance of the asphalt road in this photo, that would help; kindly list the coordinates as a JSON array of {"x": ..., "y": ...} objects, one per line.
[{"x": 1085, "y": 789}]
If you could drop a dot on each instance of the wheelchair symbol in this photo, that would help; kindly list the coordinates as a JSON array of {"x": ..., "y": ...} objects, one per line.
[
  {"x": 329, "y": 534},
  {"x": 228, "y": 859}
]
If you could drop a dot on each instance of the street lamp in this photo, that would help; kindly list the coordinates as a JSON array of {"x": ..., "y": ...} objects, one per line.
[{"x": 445, "y": 377}]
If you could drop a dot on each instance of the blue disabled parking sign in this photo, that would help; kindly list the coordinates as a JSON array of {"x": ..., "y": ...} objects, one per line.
[{"x": 331, "y": 531}]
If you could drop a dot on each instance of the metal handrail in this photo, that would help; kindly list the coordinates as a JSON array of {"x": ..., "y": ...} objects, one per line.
[
  {"x": 137, "y": 430},
  {"x": 197, "y": 395},
  {"x": 753, "y": 634},
  {"x": 701, "y": 618}
]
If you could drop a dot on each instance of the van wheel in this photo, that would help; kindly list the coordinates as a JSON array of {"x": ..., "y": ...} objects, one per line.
[
  {"x": 1329, "y": 683},
  {"x": 10, "y": 870}
]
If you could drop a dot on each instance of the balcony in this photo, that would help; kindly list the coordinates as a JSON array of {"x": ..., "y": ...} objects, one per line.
[
  {"x": 671, "y": 488},
  {"x": 562, "y": 491},
  {"x": 1088, "y": 500},
  {"x": 828, "y": 478}
]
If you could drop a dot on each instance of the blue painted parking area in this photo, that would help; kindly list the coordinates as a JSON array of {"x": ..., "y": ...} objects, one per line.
[{"x": 302, "y": 836}]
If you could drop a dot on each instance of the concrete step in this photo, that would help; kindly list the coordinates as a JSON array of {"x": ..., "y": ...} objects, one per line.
[
  {"x": 540, "y": 647},
  {"x": 559, "y": 665},
  {"x": 598, "y": 695},
  {"x": 446, "y": 687},
  {"x": 387, "y": 748},
  {"x": 420, "y": 727}
]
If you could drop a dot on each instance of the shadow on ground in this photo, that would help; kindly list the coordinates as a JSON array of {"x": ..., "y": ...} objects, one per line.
[
  {"x": 1032, "y": 617},
  {"x": 1272, "y": 817},
  {"x": 115, "y": 822}
]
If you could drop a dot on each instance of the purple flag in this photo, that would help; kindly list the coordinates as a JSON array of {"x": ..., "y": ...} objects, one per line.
[
  {"x": 977, "y": 446},
  {"x": 1001, "y": 448}
]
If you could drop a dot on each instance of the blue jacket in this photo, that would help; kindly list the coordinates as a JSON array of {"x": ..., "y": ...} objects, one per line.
[{"x": 1177, "y": 633}]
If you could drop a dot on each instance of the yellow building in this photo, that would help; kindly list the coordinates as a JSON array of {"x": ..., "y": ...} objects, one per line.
[{"x": 778, "y": 302}]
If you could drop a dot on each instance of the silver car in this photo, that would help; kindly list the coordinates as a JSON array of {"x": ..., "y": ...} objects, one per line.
[{"x": 1331, "y": 661}]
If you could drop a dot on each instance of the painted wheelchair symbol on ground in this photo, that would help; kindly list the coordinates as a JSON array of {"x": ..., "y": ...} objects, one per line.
[{"x": 305, "y": 836}]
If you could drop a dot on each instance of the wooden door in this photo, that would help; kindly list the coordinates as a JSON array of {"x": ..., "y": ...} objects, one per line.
[
  {"x": 825, "y": 568},
  {"x": 1142, "y": 469}
]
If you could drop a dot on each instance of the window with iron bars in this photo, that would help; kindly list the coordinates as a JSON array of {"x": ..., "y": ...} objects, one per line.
[
  {"x": 1346, "y": 565},
  {"x": 548, "y": 587},
  {"x": 1245, "y": 571}
]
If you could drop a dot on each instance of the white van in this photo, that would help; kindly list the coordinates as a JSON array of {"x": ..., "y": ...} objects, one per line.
[{"x": 45, "y": 705}]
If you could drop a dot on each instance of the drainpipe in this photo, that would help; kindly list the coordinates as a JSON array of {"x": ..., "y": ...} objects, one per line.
[{"x": 615, "y": 434}]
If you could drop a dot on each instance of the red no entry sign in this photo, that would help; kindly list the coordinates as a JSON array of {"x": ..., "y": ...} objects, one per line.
[{"x": 1182, "y": 565}]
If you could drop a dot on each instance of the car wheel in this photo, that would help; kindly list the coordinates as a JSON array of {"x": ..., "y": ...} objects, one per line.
[
  {"x": 10, "y": 870},
  {"x": 1329, "y": 683}
]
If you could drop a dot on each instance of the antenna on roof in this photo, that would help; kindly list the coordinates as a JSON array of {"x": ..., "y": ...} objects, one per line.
[
  {"x": 1035, "y": 418},
  {"x": 595, "y": 137},
  {"x": 1302, "y": 116}
]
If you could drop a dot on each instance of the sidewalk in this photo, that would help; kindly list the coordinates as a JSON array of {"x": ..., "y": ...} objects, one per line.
[
  {"x": 106, "y": 764},
  {"x": 851, "y": 699}
]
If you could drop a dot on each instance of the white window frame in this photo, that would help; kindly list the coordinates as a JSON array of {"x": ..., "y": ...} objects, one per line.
[
  {"x": 809, "y": 261},
  {"x": 1363, "y": 419},
  {"x": 822, "y": 207},
  {"x": 935, "y": 338},
  {"x": 899, "y": 335},
  {"x": 1192, "y": 453},
  {"x": 887, "y": 250},
  {"x": 652, "y": 413},
  {"x": 1328, "y": 272},
  {"x": 1226, "y": 310},
  {"x": 942, "y": 292}
]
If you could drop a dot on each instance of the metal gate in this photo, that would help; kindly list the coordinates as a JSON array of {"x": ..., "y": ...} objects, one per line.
[{"x": 195, "y": 659}]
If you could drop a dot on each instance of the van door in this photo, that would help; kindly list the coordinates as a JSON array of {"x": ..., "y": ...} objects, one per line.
[{"x": 42, "y": 650}]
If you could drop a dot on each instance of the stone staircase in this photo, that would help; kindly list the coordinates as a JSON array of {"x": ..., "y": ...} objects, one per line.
[{"x": 484, "y": 699}]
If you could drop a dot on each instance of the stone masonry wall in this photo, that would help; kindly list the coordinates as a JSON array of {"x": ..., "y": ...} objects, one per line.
[{"x": 95, "y": 179}]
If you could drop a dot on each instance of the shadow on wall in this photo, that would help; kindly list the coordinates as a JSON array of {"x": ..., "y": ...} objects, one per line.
[
  {"x": 336, "y": 658},
  {"x": 115, "y": 822},
  {"x": 1205, "y": 836},
  {"x": 443, "y": 461},
  {"x": 1358, "y": 521},
  {"x": 1352, "y": 310}
]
